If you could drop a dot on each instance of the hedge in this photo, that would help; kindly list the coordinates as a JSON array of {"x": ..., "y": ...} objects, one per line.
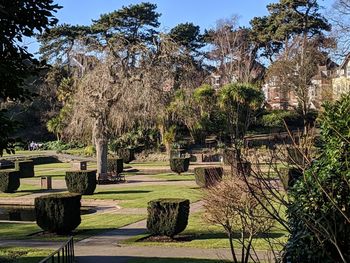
[
  {"x": 9, "y": 181},
  {"x": 167, "y": 217},
  {"x": 58, "y": 213},
  {"x": 82, "y": 182},
  {"x": 208, "y": 176},
  {"x": 179, "y": 165},
  {"x": 126, "y": 154},
  {"x": 115, "y": 165},
  {"x": 25, "y": 168}
]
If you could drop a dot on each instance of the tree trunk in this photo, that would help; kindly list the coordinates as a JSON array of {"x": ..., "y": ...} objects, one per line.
[
  {"x": 101, "y": 143},
  {"x": 101, "y": 152}
]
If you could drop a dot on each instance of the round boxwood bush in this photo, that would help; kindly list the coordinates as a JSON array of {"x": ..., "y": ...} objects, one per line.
[
  {"x": 9, "y": 181},
  {"x": 58, "y": 213},
  {"x": 208, "y": 176},
  {"x": 167, "y": 217},
  {"x": 179, "y": 165},
  {"x": 25, "y": 168},
  {"x": 127, "y": 154},
  {"x": 82, "y": 182}
]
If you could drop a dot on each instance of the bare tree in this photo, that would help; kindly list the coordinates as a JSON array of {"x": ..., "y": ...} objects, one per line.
[
  {"x": 339, "y": 15},
  {"x": 234, "y": 52},
  {"x": 231, "y": 205}
]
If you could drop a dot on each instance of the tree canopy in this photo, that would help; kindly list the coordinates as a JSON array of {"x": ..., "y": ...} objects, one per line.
[{"x": 19, "y": 19}]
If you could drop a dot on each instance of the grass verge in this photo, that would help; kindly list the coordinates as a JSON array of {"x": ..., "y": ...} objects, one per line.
[
  {"x": 206, "y": 236},
  {"x": 23, "y": 255},
  {"x": 171, "y": 177},
  {"x": 138, "y": 197},
  {"x": 24, "y": 189},
  {"x": 91, "y": 225}
]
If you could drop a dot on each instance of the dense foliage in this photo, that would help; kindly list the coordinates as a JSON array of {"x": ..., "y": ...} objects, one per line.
[
  {"x": 167, "y": 217},
  {"x": 19, "y": 19},
  {"x": 208, "y": 176},
  {"x": 25, "y": 168},
  {"x": 179, "y": 164},
  {"x": 115, "y": 165},
  {"x": 9, "y": 181},
  {"x": 320, "y": 211},
  {"x": 58, "y": 213},
  {"x": 82, "y": 182},
  {"x": 126, "y": 154}
]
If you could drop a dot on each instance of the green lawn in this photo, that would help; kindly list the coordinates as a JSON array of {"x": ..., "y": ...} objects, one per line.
[
  {"x": 91, "y": 225},
  {"x": 209, "y": 236},
  {"x": 138, "y": 197},
  {"x": 148, "y": 164},
  {"x": 23, "y": 255},
  {"x": 25, "y": 153},
  {"x": 175, "y": 177},
  {"x": 24, "y": 189},
  {"x": 56, "y": 169}
]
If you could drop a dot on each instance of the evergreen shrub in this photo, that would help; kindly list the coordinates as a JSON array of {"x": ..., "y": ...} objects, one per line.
[
  {"x": 9, "y": 181},
  {"x": 208, "y": 176},
  {"x": 179, "y": 165},
  {"x": 25, "y": 168},
  {"x": 115, "y": 165},
  {"x": 82, "y": 182},
  {"x": 58, "y": 213},
  {"x": 167, "y": 217}
]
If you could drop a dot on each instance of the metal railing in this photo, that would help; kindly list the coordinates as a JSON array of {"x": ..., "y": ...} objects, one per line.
[{"x": 65, "y": 254}]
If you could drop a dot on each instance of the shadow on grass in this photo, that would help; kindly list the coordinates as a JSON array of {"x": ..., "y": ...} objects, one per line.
[
  {"x": 38, "y": 191},
  {"x": 220, "y": 235},
  {"x": 123, "y": 192}
]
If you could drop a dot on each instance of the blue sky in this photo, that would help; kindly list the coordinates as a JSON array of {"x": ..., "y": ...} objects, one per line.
[{"x": 201, "y": 12}]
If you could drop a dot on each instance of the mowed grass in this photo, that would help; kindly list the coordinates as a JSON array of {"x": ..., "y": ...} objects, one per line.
[
  {"x": 204, "y": 235},
  {"x": 57, "y": 169},
  {"x": 23, "y": 255},
  {"x": 24, "y": 189},
  {"x": 25, "y": 152},
  {"x": 148, "y": 164},
  {"x": 174, "y": 177},
  {"x": 90, "y": 225},
  {"x": 138, "y": 197}
]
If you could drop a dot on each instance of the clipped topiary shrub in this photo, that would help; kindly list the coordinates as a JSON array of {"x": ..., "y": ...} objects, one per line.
[
  {"x": 115, "y": 165},
  {"x": 296, "y": 156},
  {"x": 179, "y": 165},
  {"x": 126, "y": 154},
  {"x": 167, "y": 217},
  {"x": 9, "y": 181},
  {"x": 58, "y": 213},
  {"x": 289, "y": 176},
  {"x": 82, "y": 182},
  {"x": 25, "y": 168},
  {"x": 208, "y": 176}
]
